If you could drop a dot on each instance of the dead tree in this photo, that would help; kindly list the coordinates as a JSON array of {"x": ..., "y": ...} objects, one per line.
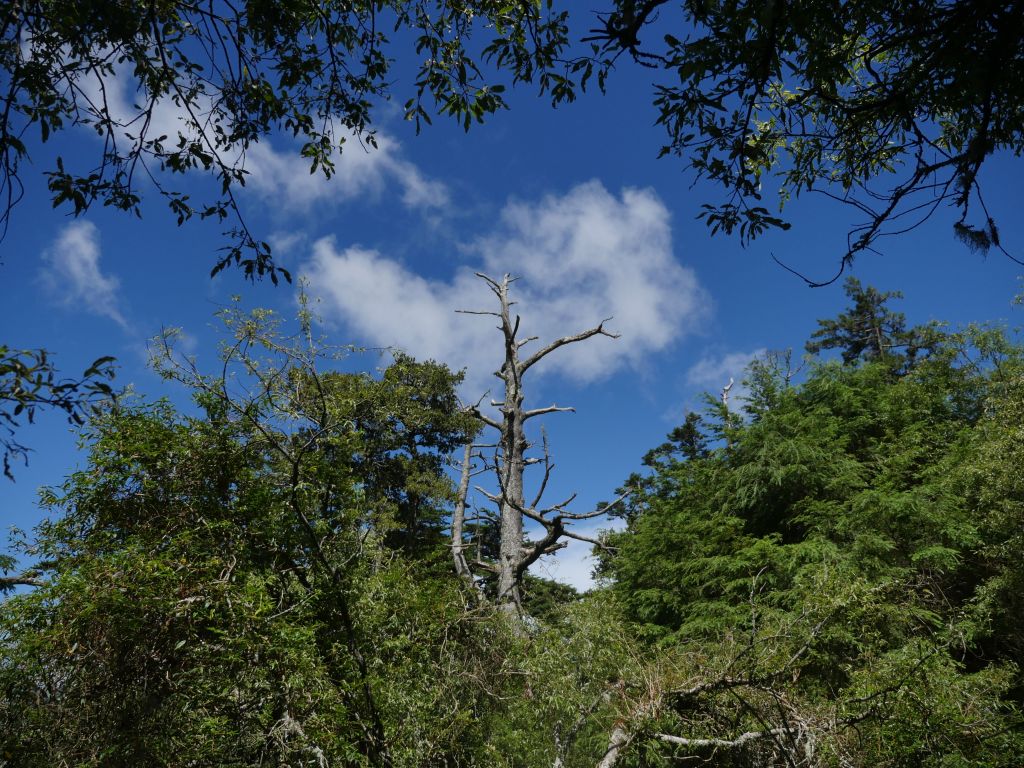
[
  {"x": 510, "y": 458},
  {"x": 462, "y": 568}
]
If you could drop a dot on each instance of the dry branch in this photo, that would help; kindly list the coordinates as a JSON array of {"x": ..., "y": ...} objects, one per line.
[{"x": 510, "y": 460}]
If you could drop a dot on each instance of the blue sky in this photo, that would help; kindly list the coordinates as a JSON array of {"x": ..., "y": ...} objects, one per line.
[{"x": 574, "y": 201}]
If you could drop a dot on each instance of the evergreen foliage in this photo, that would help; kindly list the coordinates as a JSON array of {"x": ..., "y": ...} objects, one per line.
[
  {"x": 828, "y": 577},
  {"x": 862, "y": 515}
]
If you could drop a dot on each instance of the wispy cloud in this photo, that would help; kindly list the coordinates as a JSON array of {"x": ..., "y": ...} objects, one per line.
[
  {"x": 277, "y": 174},
  {"x": 713, "y": 372},
  {"x": 283, "y": 179},
  {"x": 73, "y": 275},
  {"x": 582, "y": 257}
]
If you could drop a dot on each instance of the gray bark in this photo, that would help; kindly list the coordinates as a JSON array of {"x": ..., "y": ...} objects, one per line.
[
  {"x": 739, "y": 741},
  {"x": 616, "y": 743},
  {"x": 459, "y": 519},
  {"x": 510, "y": 457},
  {"x": 463, "y": 566},
  {"x": 9, "y": 582}
]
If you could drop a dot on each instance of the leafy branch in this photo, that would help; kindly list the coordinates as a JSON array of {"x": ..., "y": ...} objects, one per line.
[{"x": 29, "y": 380}]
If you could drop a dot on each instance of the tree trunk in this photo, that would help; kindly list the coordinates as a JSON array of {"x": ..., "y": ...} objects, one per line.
[
  {"x": 515, "y": 555},
  {"x": 513, "y": 448}
]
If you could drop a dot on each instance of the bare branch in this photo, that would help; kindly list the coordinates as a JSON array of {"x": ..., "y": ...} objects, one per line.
[
  {"x": 537, "y": 517},
  {"x": 548, "y": 468},
  {"x": 720, "y": 684},
  {"x": 560, "y": 506},
  {"x": 7, "y": 582},
  {"x": 550, "y": 409},
  {"x": 585, "y": 515},
  {"x": 540, "y": 354},
  {"x": 478, "y": 414},
  {"x": 549, "y": 550},
  {"x": 739, "y": 741},
  {"x": 493, "y": 497},
  {"x": 596, "y": 542},
  {"x": 550, "y": 543},
  {"x": 493, "y": 284},
  {"x": 598, "y": 512}
]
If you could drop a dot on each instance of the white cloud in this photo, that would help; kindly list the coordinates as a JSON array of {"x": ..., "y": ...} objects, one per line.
[
  {"x": 581, "y": 257},
  {"x": 288, "y": 246},
  {"x": 280, "y": 177},
  {"x": 73, "y": 273},
  {"x": 574, "y": 565},
  {"x": 116, "y": 94},
  {"x": 712, "y": 373}
]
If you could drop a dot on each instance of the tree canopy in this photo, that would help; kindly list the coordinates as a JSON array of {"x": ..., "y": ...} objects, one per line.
[
  {"x": 822, "y": 572},
  {"x": 831, "y": 542},
  {"x": 891, "y": 108},
  {"x": 231, "y": 75}
]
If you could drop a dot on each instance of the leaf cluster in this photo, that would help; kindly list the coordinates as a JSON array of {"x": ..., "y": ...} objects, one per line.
[
  {"x": 890, "y": 108},
  {"x": 840, "y": 551},
  {"x": 29, "y": 381},
  {"x": 174, "y": 88}
]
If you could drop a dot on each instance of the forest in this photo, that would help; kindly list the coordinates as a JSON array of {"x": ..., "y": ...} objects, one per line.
[
  {"x": 821, "y": 571},
  {"x": 306, "y": 534}
]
